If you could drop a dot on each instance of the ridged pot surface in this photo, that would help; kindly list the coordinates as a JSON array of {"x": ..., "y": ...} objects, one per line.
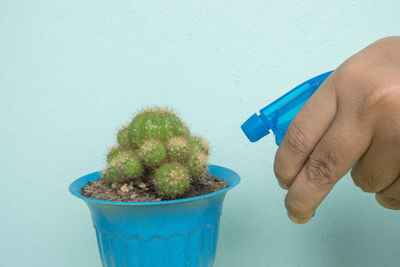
[{"x": 172, "y": 233}]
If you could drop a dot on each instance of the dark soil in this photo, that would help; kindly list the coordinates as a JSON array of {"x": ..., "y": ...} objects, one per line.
[{"x": 144, "y": 191}]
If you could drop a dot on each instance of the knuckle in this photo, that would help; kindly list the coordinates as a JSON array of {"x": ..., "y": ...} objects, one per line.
[
  {"x": 368, "y": 183},
  {"x": 351, "y": 70},
  {"x": 387, "y": 40},
  {"x": 321, "y": 171},
  {"x": 296, "y": 139},
  {"x": 389, "y": 202},
  {"x": 384, "y": 96},
  {"x": 363, "y": 74}
]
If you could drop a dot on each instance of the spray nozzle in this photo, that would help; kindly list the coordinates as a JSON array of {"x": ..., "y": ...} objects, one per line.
[{"x": 278, "y": 115}]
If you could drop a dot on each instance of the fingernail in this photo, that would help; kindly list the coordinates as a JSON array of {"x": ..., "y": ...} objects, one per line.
[
  {"x": 283, "y": 186},
  {"x": 298, "y": 220}
]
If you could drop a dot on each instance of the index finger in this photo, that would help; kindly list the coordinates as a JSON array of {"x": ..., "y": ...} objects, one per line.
[
  {"x": 339, "y": 149},
  {"x": 304, "y": 132}
]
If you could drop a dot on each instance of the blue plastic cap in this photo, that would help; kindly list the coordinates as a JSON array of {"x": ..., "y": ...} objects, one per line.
[{"x": 255, "y": 128}]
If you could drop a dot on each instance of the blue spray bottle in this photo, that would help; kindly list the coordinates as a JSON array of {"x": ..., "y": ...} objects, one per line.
[{"x": 278, "y": 115}]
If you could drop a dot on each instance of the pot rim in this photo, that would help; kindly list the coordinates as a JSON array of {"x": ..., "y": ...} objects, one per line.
[{"x": 76, "y": 186}]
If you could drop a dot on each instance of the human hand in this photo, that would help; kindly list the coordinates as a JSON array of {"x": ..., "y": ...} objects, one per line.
[{"x": 351, "y": 122}]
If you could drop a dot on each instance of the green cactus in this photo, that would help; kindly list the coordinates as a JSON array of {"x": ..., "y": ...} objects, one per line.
[
  {"x": 197, "y": 164},
  {"x": 122, "y": 137},
  {"x": 155, "y": 123},
  {"x": 152, "y": 153},
  {"x": 111, "y": 174},
  {"x": 157, "y": 145},
  {"x": 123, "y": 167},
  {"x": 172, "y": 179},
  {"x": 178, "y": 149},
  {"x": 198, "y": 144},
  {"x": 113, "y": 152}
]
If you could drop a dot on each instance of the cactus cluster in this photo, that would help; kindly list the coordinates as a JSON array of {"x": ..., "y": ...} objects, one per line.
[{"x": 158, "y": 145}]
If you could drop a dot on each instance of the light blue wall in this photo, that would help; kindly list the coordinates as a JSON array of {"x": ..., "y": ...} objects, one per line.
[{"x": 71, "y": 72}]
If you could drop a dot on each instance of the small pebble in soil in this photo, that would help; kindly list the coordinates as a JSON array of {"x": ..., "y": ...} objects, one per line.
[
  {"x": 142, "y": 186},
  {"x": 145, "y": 191},
  {"x": 125, "y": 188}
]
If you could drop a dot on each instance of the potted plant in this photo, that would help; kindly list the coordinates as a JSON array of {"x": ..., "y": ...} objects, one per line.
[{"x": 146, "y": 205}]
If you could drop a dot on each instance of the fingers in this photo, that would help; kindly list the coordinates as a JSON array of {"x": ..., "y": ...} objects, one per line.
[
  {"x": 390, "y": 197},
  {"x": 339, "y": 149},
  {"x": 304, "y": 132},
  {"x": 379, "y": 167}
]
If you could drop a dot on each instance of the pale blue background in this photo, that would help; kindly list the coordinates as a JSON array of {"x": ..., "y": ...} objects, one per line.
[{"x": 72, "y": 72}]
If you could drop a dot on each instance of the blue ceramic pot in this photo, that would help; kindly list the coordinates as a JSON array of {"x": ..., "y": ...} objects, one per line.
[{"x": 171, "y": 233}]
